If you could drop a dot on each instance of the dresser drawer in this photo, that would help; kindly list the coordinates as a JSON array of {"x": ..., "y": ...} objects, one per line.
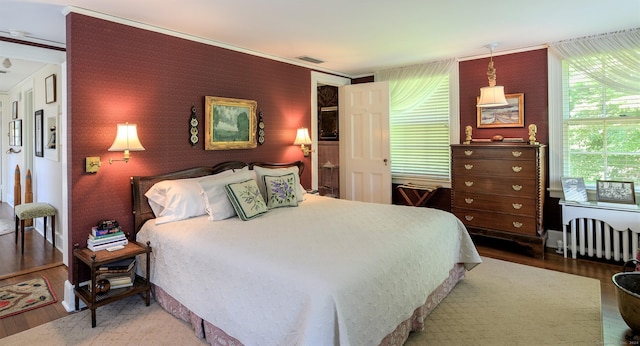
[
  {"x": 505, "y": 168},
  {"x": 492, "y": 203},
  {"x": 494, "y": 152},
  {"x": 497, "y": 221},
  {"x": 497, "y": 186}
]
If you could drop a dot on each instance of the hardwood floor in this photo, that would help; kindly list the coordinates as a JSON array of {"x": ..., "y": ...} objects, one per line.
[
  {"x": 39, "y": 259},
  {"x": 614, "y": 327}
]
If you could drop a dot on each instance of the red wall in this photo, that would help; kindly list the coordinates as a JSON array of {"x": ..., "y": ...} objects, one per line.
[
  {"x": 118, "y": 73},
  {"x": 519, "y": 73}
]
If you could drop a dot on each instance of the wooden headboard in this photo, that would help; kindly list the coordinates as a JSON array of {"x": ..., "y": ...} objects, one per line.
[{"x": 141, "y": 184}]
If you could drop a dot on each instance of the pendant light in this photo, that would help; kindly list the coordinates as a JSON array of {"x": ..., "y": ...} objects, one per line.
[{"x": 493, "y": 95}]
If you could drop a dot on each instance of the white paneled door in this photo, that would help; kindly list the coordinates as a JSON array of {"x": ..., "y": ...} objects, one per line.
[{"x": 365, "y": 167}]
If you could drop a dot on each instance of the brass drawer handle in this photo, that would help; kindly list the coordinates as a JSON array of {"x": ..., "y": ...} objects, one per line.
[
  {"x": 516, "y": 153},
  {"x": 468, "y": 183},
  {"x": 516, "y": 187},
  {"x": 468, "y": 167},
  {"x": 516, "y": 169},
  {"x": 468, "y": 217},
  {"x": 468, "y": 200},
  {"x": 468, "y": 152},
  {"x": 516, "y": 206},
  {"x": 517, "y": 224}
]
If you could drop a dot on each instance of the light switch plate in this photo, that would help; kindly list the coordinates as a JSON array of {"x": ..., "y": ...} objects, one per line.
[{"x": 92, "y": 164}]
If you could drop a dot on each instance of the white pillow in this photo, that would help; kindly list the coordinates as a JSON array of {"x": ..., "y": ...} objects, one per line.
[
  {"x": 217, "y": 204},
  {"x": 173, "y": 200},
  {"x": 261, "y": 172}
]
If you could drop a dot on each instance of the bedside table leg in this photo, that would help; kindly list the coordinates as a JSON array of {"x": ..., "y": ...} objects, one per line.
[{"x": 93, "y": 318}]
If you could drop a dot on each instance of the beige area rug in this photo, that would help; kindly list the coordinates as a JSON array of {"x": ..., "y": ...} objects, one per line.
[
  {"x": 7, "y": 226},
  {"x": 498, "y": 303},
  {"x": 503, "y": 303}
]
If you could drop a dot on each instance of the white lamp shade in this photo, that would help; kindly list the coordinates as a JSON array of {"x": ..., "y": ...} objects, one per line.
[
  {"x": 492, "y": 96},
  {"x": 126, "y": 139},
  {"x": 302, "y": 136}
]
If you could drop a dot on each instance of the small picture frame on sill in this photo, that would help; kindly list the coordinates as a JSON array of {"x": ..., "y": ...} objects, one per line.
[
  {"x": 621, "y": 192},
  {"x": 574, "y": 189}
]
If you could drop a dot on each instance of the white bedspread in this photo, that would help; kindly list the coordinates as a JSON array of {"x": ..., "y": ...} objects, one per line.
[{"x": 328, "y": 272}]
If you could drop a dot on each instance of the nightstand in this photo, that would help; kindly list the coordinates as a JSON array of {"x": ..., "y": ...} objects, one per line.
[{"x": 94, "y": 260}]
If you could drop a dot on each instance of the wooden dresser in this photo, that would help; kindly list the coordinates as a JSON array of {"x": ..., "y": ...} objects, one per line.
[{"x": 498, "y": 191}]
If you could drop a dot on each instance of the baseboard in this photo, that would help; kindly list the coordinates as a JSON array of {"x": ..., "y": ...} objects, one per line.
[{"x": 69, "y": 302}]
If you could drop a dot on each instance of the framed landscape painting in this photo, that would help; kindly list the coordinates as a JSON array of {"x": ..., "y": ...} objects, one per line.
[
  {"x": 511, "y": 115},
  {"x": 229, "y": 123}
]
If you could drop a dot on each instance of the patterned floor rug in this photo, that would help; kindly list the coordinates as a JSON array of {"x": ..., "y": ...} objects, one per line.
[
  {"x": 24, "y": 296},
  {"x": 7, "y": 226}
]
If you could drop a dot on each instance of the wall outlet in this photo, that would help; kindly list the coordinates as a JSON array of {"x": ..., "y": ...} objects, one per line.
[{"x": 92, "y": 164}]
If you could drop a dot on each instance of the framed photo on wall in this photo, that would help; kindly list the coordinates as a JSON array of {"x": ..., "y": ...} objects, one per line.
[
  {"x": 39, "y": 122},
  {"x": 14, "y": 110},
  {"x": 230, "y": 123},
  {"x": 50, "y": 88},
  {"x": 511, "y": 115}
]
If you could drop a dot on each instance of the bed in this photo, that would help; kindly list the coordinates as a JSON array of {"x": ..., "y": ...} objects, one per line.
[{"x": 310, "y": 270}]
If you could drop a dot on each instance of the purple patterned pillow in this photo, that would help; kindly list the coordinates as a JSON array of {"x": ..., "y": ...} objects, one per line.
[{"x": 280, "y": 191}]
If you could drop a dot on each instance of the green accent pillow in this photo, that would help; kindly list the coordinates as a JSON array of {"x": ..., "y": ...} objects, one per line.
[
  {"x": 246, "y": 199},
  {"x": 280, "y": 190}
]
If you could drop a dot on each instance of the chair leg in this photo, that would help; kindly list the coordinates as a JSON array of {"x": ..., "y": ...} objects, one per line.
[
  {"x": 44, "y": 230},
  {"x": 22, "y": 234},
  {"x": 17, "y": 220},
  {"x": 53, "y": 230}
]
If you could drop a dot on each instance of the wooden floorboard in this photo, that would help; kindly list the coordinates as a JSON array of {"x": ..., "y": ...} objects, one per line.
[{"x": 39, "y": 260}]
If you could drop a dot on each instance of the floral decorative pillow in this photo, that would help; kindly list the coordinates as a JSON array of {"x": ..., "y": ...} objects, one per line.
[
  {"x": 261, "y": 172},
  {"x": 280, "y": 191},
  {"x": 246, "y": 199}
]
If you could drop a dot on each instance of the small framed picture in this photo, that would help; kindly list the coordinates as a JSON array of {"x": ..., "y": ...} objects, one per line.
[
  {"x": 14, "y": 110},
  {"x": 50, "y": 88},
  {"x": 616, "y": 191},
  {"x": 574, "y": 189}
]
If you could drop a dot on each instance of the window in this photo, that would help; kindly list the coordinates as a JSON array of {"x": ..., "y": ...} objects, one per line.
[
  {"x": 601, "y": 123},
  {"x": 420, "y": 138},
  {"x": 422, "y": 104}
]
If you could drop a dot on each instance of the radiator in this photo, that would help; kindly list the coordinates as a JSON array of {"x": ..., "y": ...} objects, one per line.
[{"x": 595, "y": 238}]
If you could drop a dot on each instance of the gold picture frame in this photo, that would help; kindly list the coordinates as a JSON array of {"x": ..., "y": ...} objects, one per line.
[
  {"x": 511, "y": 115},
  {"x": 229, "y": 123}
]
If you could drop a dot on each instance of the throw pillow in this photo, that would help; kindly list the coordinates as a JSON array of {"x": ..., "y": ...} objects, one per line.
[
  {"x": 246, "y": 199},
  {"x": 280, "y": 191}
]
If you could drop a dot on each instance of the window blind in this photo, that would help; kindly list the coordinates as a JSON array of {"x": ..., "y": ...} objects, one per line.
[{"x": 420, "y": 139}]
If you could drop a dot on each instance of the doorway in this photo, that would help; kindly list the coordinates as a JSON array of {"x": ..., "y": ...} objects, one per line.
[{"x": 320, "y": 80}]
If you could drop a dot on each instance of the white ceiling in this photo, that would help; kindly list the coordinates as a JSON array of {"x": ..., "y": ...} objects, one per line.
[{"x": 353, "y": 37}]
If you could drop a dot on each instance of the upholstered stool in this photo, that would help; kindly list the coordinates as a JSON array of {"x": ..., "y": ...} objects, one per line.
[{"x": 33, "y": 211}]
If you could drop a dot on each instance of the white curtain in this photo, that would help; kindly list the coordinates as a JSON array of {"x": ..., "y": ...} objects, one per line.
[
  {"x": 410, "y": 86},
  {"x": 620, "y": 50}
]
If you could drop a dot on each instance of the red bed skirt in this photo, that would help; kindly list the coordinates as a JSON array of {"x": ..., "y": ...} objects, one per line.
[{"x": 216, "y": 336}]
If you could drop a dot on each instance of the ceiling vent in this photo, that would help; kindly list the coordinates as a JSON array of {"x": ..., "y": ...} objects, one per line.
[{"x": 310, "y": 59}]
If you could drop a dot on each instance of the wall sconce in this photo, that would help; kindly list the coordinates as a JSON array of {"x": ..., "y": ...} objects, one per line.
[
  {"x": 493, "y": 95},
  {"x": 302, "y": 138},
  {"x": 126, "y": 140}
]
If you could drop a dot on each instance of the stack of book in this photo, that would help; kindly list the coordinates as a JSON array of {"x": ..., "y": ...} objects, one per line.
[
  {"x": 101, "y": 239},
  {"x": 120, "y": 273}
]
